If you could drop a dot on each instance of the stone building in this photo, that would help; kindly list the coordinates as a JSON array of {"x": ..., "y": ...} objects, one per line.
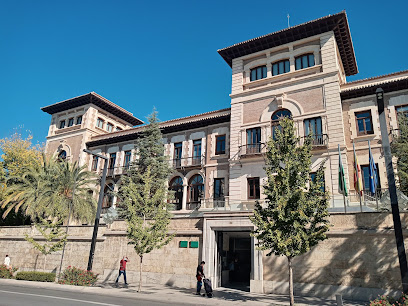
[{"x": 299, "y": 72}]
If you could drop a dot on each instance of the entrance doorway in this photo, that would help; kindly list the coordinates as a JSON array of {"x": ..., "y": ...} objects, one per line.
[{"x": 234, "y": 259}]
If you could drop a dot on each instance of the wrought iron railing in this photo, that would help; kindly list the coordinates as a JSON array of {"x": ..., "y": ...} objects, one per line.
[
  {"x": 252, "y": 149},
  {"x": 192, "y": 161},
  {"x": 318, "y": 140}
]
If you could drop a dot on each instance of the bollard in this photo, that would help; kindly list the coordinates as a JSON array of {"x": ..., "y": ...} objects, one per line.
[{"x": 339, "y": 300}]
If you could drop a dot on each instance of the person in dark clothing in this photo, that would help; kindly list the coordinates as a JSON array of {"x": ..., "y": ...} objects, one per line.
[
  {"x": 122, "y": 269},
  {"x": 200, "y": 275}
]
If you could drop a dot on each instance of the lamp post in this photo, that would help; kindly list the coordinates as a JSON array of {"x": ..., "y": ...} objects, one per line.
[
  {"x": 393, "y": 191},
  {"x": 99, "y": 208}
]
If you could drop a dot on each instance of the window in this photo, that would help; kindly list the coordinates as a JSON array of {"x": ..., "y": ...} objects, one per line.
[
  {"x": 94, "y": 163},
  {"x": 176, "y": 185},
  {"x": 178, "y": 150},
  {"x": 99, "y": 123},
  {"x": 109, "y": 127},
  {"x": 79, "y": 120},
  {"x": 304, "y": 61},
  {"x": 364, "y": 123},
  {"x": 70, "y": 121},
  {"x": 219, "y": 184},
  {"x": 258, "y": 73},
  {"x": 277, "y": 117},
  {"x": 254, "y": 191},
  {"x": 366, "y": 177},
  {"x": 280, "y": 67},
  {"x": 253, "y": 141},
  {"x": 62, "y": 124},
  {"x": 313, "y": 126},
  {"x": 128, "y": 155},
  {"x": 108, "y": 196},
  {"x": 197, "y": 152},
  {"x": 62, "y": 155},
  {"x": 313, "y": 179},
  {"x": 112, "y": 160},
  {"x": 220, "y": 144},
  {"x": 118, "y": 129},
  {"x": 196, "y": 188}
]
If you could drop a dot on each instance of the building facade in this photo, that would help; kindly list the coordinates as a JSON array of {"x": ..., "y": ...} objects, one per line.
[{"x": 218, "y": 157}]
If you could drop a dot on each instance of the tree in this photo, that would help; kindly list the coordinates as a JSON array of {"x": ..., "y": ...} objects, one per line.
[
  {"x": 399, "y": 149},
  {"x": 295, "y": 216},
  {"x": 144, "y": 194},
  {"x": 53, "y": 235},
  {"x": 51, "y": 189},
  {"x": 18, "y": 153}
]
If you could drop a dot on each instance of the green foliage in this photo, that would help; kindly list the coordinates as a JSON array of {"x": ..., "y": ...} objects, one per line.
[
  {"x": 17, "y": 155},
  {"x": 78, "y": 277},
  {"x": 53, "y": 235},
  {"x": 36, "y": 276},
  {"x": 50, "y": 189},
  {"x": 384, "y": 300},
  {"x": 399, "y": 149},
  {"x": 7, "y": 272},
  {"x": 144, "y": 194},
  {"x": 295, "y": 217},
  {"x": 147, "y": 217}
]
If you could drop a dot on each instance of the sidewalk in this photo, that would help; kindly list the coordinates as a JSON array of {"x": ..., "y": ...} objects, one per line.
[{"x": 222, "y": 296}]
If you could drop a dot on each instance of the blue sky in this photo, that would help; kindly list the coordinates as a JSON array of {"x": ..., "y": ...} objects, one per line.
[{"x": 160, "y": 53}]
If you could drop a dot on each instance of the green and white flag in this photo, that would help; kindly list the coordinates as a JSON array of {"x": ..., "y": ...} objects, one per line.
[{"x": 342, "y": 177}]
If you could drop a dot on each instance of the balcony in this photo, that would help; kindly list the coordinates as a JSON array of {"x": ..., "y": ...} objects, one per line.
[
  {"x": 318, "y": 141},
  {"x": 188, "y": 162},
  {"x": 116, "y": 171},
  {"x": 254, "y": 149}
]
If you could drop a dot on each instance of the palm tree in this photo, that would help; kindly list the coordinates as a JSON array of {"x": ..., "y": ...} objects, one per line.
[{"x": 51, "y": 190}]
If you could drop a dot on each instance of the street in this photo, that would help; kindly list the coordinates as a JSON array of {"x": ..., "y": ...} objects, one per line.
[{"x": 21, "y": 295}]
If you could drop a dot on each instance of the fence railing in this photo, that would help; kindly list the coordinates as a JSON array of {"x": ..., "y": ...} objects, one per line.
[
  {"x": 192, "y": 161},
  {"x": 318, "y": 140},
  {"x": 252, "y": 149}
]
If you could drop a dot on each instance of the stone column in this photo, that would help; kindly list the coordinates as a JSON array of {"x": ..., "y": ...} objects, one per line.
[{"x": 184, "y": 203}]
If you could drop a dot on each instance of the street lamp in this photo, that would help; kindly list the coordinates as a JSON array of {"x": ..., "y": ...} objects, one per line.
[
  {"x": 99, "y": 208},
  {"x": 393, "y": 191}
]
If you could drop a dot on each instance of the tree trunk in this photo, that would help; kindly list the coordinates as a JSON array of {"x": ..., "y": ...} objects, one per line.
[
  {"x": 292, "y": 298},
  {"x": 140, "y": 276},
  {"x": 45, "y": 261}
]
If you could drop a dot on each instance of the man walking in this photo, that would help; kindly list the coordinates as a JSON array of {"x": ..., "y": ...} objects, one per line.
[
  {"x": 122, "y": 269},
  {"x": 200, "y": 275},
  {"x": 7, "y": 261}
]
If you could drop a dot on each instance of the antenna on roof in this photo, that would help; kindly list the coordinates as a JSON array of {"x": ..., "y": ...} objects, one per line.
[{"x": 288, "y": 21}]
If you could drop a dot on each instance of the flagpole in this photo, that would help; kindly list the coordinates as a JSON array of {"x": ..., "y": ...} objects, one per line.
[
  {"x": 357, "y": 178},
  {"x": 375, "y": 185},
  {"x": 342, "y": 181}
]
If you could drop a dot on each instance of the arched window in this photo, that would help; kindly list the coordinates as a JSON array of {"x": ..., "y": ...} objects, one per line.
[
  {"x": 277, "y": 117},
  {"x": 62, "y": 155},
  {"x": 107, "y": 196},
  {"x": 195, "y": 189},
  {"x": 176, "y": 185}
]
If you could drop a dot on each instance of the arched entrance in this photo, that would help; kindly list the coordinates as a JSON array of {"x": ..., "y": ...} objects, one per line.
[
  {"x": 195, "y": 191},
  {"x": 176, "y": 185}
]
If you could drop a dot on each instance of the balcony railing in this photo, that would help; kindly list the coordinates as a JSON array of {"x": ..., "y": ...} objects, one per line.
[
  {"x": 319, "y": 140},
  {"x": 192, "y": 161},
  {"x": 116, "y": 171},
  {"x": 252, "y": 149}
]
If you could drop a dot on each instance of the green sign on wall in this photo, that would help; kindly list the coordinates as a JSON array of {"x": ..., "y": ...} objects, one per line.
[
  {"x": 194, "y": 244},
  {"x": 183, "y": 244}
]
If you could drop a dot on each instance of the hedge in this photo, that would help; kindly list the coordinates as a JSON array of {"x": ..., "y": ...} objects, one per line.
[
  {"x": 78, "y": 277},
  {"x": 7, "y": 272},
  {"x": 36, "y": 276}
]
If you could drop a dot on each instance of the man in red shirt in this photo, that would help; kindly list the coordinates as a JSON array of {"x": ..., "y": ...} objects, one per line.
[{"x": 122, "y": 269}]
